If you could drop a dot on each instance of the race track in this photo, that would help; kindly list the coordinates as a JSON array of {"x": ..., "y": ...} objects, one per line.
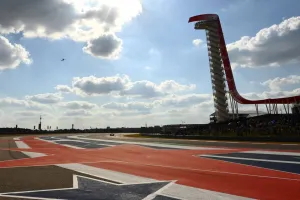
[{"x": 96, "y": 167}]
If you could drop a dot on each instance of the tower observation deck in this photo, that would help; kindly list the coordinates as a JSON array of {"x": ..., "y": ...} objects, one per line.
[{"x": 221, "y": 71}]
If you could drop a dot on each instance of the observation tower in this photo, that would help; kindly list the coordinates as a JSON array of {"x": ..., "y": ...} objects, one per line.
[
  {"x": 218, "y": 79},
  {"x": 220, "y": 65}
]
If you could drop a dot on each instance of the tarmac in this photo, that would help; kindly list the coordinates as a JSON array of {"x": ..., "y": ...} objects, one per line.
[
  {"x": 116, "y": 167},
  {"x": 227, "y": 144}
]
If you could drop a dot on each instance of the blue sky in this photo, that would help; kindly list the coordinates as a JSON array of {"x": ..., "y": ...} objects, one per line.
[{"x": 153, "y": 47}]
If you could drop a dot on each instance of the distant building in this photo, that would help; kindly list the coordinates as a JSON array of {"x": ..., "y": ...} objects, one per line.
[
  {"x": 296, "y": 109},
  {"x": 40, "y": 124},
  {"x": 241, "y": 115},
  {"x": 72, "y": 126}
]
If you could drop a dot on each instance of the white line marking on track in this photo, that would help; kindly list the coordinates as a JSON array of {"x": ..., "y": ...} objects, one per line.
[
  {"x": 231, "y": 142},
  {"x": 257, "y": 143},
  {"x": 174, "y": 190},
  {"x": 66, "y": 145},
  {"x": 158, "y": 192},
  {"x": 274, "y": 152},
  {"x": 153, "y": 144},
  {"x": 22, "y": 145},
  {"x": 252, "y": 159},
  {"x": 185, "y": 192},
  {"x": 71, "y": 146},
  {"x": 106, "y": 174}
]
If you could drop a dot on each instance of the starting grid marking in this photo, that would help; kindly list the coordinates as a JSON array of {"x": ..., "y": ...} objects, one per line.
[
  {"x": 81, "y": 143},
  {"x": 80, "y": 139},
  {"x": 173, "y": 191},
  {"x": 281, "y": 161},
  {"x": 237, "y": 165}
]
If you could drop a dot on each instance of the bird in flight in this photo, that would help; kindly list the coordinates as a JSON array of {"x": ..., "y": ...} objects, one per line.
[{"x": 63, "y": 59}]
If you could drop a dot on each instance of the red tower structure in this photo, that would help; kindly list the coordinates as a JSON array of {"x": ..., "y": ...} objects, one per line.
[{"x": 218, "y": 56}]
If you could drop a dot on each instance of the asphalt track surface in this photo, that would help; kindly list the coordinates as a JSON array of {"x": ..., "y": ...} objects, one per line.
[
  {"x": 104, "y": 167},
  {"x": 228, "y": 144}
]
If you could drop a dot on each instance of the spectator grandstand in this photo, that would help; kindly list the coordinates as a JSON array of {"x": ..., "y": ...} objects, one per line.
[{"x": 263, "y": 125}]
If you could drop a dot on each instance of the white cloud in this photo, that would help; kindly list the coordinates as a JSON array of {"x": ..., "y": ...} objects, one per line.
[
  {"x": 84, "y": 21},
  {"x": 148, "y": 89},
  {"x": 277, "y": 83},
  {"x": 148, "y": 68},
  {"x": 272, "y": 94},
  {"x": 122, "y": 85},
  {"x": 74, "y": 105},
  {"x": 19, "y": 103},
  {"x": 63, "y": 88},
  {"x": 171, "y": 101},
  {"x": 92, "y": 85},
  {"x": 80, "y": 113},
  {"x": 183, "y": 100},
  {"x": 197, "y": 42},
  {"x": 135, "y": 106},
  {"x": 47, "y": 98},
  {"x": 154, "y": 52},
  {"x": 5, "y": 102},
  {"x": 30, "y": 114},
  {"x": 169, "y": 109},
  {"x": 12, "y": 55},
  {"x": 105, "y": 46},
  {"x": 173, "y": 86},
  {"x": 273, "y": 46}
]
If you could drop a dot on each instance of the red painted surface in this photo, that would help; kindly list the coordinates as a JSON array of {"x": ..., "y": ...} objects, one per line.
[
  {"x": 181, "y": 165},
  {"x": 228, "y": 71},
  {"x": 246, "y": 186}
]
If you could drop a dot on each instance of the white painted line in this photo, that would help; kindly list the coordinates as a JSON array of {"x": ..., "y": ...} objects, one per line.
[
  {"x": 257, "y": 143},
  {"x": 71, "y": 146},
  {"x": 231, "y": 142},
  {"x": 152, "y": 144},
  {"x": 33, "y": 154},
  {"x": 274, "y": 152},
  {"x": 106, "y": 174},
  {"x": 210, "y": 141},
  {"x": 66, "y": 145},
  {"x": 252, "y": 159},
  {"x": 65, "y": 140},
  {"x": 185, "y": 192},
  {"x": 14, "y": 196},
  {"x": 173, "y": 190},
  {"x": 158, "y": 192},
  {"x": 17, "y": 138},
  {"x": 22, "y": 145}
]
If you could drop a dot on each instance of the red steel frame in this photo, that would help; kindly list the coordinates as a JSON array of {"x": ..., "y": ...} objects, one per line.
[{"x": 228, "y": 71}]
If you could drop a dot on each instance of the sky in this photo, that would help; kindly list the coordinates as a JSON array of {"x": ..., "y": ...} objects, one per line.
[{"x": 137, "y": 62}]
